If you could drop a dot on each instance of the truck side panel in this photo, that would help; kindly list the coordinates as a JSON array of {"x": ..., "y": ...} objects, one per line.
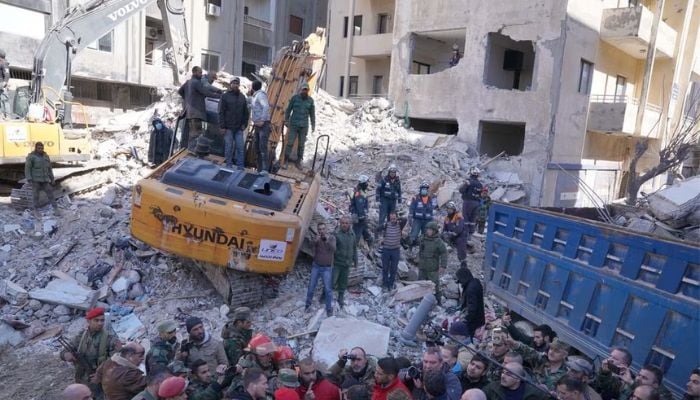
[{"x": 599, "y": 286}]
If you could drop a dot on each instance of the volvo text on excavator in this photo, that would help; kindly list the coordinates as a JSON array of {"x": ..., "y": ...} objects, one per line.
[{"x": 47, "y": 117}]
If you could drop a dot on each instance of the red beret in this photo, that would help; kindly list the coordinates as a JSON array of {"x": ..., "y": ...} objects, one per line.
[
  {"x": 95, "y": 312},
  {"x": 172, "y": 387},
  {"x": 286, "y": 394}
]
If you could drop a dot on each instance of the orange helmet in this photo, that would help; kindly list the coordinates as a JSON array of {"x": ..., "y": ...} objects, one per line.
[
  {"x": 283, "y": 353},
  {"x": 261, "y": 345}
]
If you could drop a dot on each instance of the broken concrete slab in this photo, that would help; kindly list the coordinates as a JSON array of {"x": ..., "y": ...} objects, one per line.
[
  {"x": 498, "y": 193},
  {"x": 68, "y": 293},
  {"x": 12, "y": 292},
  {"x": 446, "y": 193},
  {"x": 375, "y": 290},
  {"x": 513, "y": 195},
  {"x": 337, "y": 333},
  {"x": 673, "y": 204},
  {"x": 414, "y": 291},
  {"x": 9, "y": 336},
  {"x": 506, "y": 178},
  {"x": 129, "y": 327}
]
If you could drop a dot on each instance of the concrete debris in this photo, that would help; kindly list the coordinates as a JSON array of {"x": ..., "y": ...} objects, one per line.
[
  {"x": 65, "y": 292},
  {"x": 513, "y": 195},
  {"x": 337, "y": 333},
  {"x": 129, "y": 328},
  {"x": 673, "y": 204},
  {"x": 9, "y": 336},
  {"x": 12, "y": 292},
  {"x": 414, "y": 291}
]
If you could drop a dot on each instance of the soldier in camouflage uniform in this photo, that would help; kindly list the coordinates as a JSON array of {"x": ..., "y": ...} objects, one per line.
[
  {"x": 499, "y": 349},
  {"x": 432, "y": 257},
  {"x": 549, "y": 368},
  {"x": 202, "y": 384},
  {"x": 237, "y": 333},
  {"x": 162, "y": 351},
  {"x": 94, "y": 345}
]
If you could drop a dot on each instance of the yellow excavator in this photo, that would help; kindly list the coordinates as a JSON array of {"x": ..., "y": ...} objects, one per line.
[
  {"x": 42, "y": 112},
  {"x": 237, "y": 225}
]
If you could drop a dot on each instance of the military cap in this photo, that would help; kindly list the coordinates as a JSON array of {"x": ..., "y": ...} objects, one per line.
[
  {"x": 167, "y": 326},
  {"x": 240, "y": 313},
  {"x": 288, "y": 377}
]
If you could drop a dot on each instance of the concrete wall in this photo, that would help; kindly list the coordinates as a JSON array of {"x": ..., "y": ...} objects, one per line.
[
  {"x": 471, "y": 100},
  {"x": 372, "y": 51}
]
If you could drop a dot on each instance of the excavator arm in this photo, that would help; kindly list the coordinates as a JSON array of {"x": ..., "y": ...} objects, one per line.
[{"x": 87, "y": 22}]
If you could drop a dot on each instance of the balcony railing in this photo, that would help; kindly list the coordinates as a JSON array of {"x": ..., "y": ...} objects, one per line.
[
  {"x": 618, "y": 114},
  {"x": 247, "y": 19}
]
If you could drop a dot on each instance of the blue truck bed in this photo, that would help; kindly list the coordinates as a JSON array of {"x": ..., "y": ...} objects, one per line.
[{"x": 599, "y": 286}]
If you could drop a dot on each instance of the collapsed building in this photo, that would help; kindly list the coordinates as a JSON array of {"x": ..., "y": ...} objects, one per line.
[{"x": 567, "y": 88}]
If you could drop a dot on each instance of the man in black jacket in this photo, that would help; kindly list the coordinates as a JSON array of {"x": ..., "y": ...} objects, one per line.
[
  {"x": 471, "y": 194},
  {"x": 159, "y": 144},
  {"x": 471, "y": 301},
  {"x": 233, "y": 120},
  {"x": 194, "y": 92}
]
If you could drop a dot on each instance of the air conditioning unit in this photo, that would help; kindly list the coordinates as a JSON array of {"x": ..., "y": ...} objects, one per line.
[
  {"x": 152, "y": 33},
  {"x": 213, "y": 10}
]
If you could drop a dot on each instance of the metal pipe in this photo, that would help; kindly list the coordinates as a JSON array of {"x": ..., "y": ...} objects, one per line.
[{"x": 408, "y": 336}]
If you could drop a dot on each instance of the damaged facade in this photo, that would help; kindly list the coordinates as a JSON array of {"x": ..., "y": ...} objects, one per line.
[{"x": 562, "y": 87}]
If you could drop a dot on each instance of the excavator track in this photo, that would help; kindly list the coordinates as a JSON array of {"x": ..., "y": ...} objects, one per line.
[
  {"x": 79, "y": 181},
  {"x": 238, "y": 288}
]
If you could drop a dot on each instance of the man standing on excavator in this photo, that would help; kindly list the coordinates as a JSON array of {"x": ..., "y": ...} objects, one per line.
[{"x": 194, "y": 93}]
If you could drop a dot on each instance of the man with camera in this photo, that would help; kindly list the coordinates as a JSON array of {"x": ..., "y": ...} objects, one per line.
[
  {"x": 386, "y": 379},
  {"x": 614, "y": 373},
  {"x": 361, "y": 368},
  {"x": 432, "y": 361}
]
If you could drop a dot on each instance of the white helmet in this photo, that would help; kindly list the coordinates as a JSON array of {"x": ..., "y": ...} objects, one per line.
[
  {"x": 424, "y": 184},
  {"x": 451, "y": 205},
  {"x": 392, "y": 168},
  {"x": 363, "y": 179},
  {"x": 474, "y": 171}
]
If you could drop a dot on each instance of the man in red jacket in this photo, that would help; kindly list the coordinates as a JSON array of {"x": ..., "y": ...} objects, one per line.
[
  {"x": 386, "y": 379},
  {"x": 313, "y": 385}
]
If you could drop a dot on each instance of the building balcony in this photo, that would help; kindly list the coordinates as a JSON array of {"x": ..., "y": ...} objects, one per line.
[
  {"x": 372, "y": 46},
  {"x": 618, "y": 115},
  {"x": 257, "y": 31},
  {"x": 629, "y": 29}
]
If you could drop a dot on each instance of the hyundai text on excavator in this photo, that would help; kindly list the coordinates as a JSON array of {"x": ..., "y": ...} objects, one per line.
[
  {"x": 237, "y": 225},
  {"x": 47, "y": 118}
]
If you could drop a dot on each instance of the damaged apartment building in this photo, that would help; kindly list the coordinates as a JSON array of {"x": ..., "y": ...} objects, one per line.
[
  {"x": 121, "y": 70},
  {"x": 564, "y": 87}
]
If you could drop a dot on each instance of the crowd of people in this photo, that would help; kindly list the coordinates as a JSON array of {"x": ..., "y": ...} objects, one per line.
[
  {"x": 242, "y": 365},
  {"x": 510, "y": 365}
]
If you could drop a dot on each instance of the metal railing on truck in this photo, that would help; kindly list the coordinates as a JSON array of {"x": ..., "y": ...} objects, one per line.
[{"x": 599, "y": 286}]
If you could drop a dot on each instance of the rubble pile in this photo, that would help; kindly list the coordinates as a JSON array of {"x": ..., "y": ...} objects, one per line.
[
  {"x": 672, "y": 212},
  {"x": 53, "y": 269}
]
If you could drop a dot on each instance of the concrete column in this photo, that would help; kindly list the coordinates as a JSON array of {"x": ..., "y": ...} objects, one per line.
[
  {"x": 649, "y": 67},
  {"x": 348, "y": 47},
  {"x": 675, "y": 115}
]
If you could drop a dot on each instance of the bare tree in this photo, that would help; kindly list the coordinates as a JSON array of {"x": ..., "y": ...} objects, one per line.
[{"x": 683, "y": 138}]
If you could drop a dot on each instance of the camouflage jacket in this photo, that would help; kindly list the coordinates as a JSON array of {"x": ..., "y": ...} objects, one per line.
[
  {"x": 145, "y": 395},
  {"x": 95, "y": 348},
  {"x": 200, "y": 390},
  {"x": 161, "y": 354},
  {"x": 493, "y": 373},
  {"x": 341, "y": 370},
  {"x": 249, "y": 361},
  {"x": 235, "y": 340},
  {"x": 540, "y": 367}
]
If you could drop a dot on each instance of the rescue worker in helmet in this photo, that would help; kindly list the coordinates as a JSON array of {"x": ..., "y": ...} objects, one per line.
[
  {"x": 283, "y": 359},
  {"x": 421, "y": 212},
  {"x": 471, "y": 195},
  {"x": 388, "y": 194},
  {"x": 359, "y": 208},
  {"x": 454, "y": 231}
]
